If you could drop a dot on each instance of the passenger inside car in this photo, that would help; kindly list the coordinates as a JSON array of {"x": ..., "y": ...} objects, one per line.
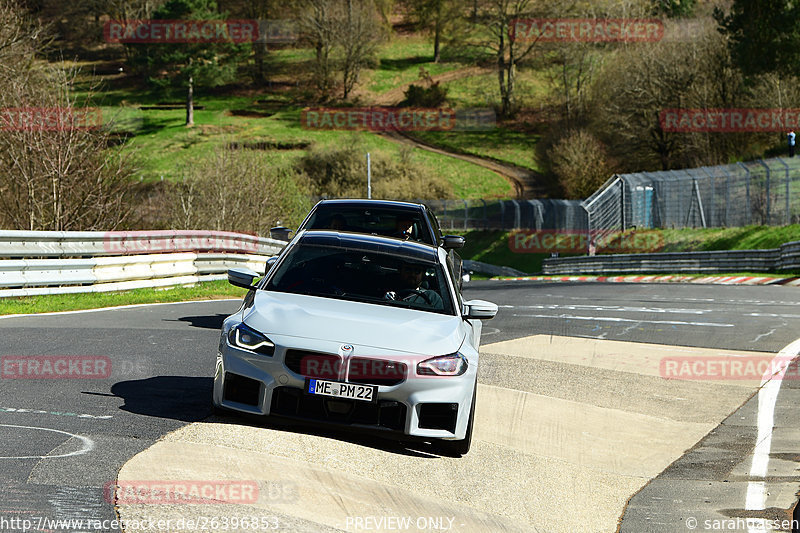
[
  {"x": 404, "y": 228},
  {"x": 338, "y": 223},
  {"x": 412, "y": 287}
]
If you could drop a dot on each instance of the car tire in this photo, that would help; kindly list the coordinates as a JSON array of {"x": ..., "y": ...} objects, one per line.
[{"x": 457, "y": 448}]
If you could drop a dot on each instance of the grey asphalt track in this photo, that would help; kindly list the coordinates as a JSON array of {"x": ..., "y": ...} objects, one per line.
[{"x": 162, "y": 362}]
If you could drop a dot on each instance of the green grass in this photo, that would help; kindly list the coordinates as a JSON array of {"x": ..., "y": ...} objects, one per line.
[
  {"x": 500, "y": 143},
  {"x": 492, "y": 247},
  {"x": 745, "y": 238},
  {"x": 483, "y": 90},
  {"x": 163, "y": 146},
  {"x": 400, "y": 62},
  {"x": 211, "y": 290}
]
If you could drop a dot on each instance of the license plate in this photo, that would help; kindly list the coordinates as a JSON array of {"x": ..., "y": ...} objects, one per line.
[{"x": 335, "y": 389}]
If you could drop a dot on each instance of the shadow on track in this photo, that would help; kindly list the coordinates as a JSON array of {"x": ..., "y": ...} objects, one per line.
[{"x": 183, "y": 398}]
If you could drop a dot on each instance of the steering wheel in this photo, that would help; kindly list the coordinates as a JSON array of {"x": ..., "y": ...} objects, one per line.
[{"x": 407, "y": 294}]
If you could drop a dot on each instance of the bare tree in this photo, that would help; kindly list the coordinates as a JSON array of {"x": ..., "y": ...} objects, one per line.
[
  {"x": 438, "y": 17},
  {"x": 642, "y": 81},
  {"x": 344, "y": 34},
  {"x": 237, "y": 191},
  {"x": 55, "y": 172},
  {"x": 358, "y": 33},
  {"x": 497, "y": 17},
  {"x": 317, "y": 22}
]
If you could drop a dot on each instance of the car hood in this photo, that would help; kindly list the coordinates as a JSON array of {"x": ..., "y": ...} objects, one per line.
[{"x": 344, "y": 322}]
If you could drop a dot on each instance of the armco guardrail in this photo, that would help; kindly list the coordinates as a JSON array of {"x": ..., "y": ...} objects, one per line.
[
  {"x": 787, "y": 257},
  {"x": 47, "y": 262},
  {"x": 41, "y": 244}
]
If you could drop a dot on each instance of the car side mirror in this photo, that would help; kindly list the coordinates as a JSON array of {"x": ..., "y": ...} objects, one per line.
[
  {"x": 452, "y": 242},
  {"x": 242, "y": 277},
  {"x": 479, "y": 309},
  {"x": 270, "y": 261},
  {"x": 280, "y": 233}
]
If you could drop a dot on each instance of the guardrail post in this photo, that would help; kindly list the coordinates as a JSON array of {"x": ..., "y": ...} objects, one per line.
[{"x": 517, "y": 215}]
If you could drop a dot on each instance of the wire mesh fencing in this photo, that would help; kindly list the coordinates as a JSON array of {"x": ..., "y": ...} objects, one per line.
[
  {"x": 761, "y": 192},
  {"x": 509, "y": 214}
]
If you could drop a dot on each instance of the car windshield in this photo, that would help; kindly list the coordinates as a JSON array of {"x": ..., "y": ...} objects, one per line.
[
  {"x": 403, "y": 224},
  {"x": 363, "y": 276}
]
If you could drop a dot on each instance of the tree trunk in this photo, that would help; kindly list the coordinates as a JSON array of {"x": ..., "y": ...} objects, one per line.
[
  {"x": 259, "y": 51},
  {"x": 190, "y": 105},
  {"x": 437, "y": 36}
]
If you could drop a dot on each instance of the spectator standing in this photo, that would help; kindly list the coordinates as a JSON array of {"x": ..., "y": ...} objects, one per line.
[{"x": 790, "y": 138}]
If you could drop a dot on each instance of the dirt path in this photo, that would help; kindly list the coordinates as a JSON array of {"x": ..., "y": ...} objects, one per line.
[
  {"x": 525, "y": 181},
  {"x": 394, "y": 96}
]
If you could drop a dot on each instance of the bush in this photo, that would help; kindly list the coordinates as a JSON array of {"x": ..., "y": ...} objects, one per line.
[
  {"x": 342, "y": 172},
  {"x": 580, "y": 163},
  {"x": 238, "y": 191},
  {"x": 418, "y": 96}
]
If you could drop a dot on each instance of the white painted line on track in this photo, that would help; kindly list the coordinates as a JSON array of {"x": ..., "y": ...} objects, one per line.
[
  {"x": 636, "y": 321},
  {"x": 756, "y": 499},
  {"x": 623, "y": 309},
  {"x": 88, "y": 444},
  {"x": 131, "y": 306}
]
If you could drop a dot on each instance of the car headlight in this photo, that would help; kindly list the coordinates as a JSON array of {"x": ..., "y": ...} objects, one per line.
[
  {"x": 246, "y": 337},
  {"x": 445, "y": 365}
]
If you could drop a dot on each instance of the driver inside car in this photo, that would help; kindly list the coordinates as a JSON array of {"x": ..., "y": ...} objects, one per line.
[{"x": 412, "y": 287}]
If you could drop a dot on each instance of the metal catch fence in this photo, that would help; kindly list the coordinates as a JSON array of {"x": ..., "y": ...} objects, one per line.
[{"x": 761, "y": 192}]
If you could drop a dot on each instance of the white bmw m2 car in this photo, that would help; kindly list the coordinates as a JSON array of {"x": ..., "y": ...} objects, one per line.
[{"x": 361, "y": 331}]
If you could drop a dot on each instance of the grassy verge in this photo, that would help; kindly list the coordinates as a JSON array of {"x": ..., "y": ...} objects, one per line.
[
  {"x": 211, "y": 290},
  {"x": 492, "y": 247},
  {"x": 500, "y": 143},
  {"x": 745, "y": 238}
]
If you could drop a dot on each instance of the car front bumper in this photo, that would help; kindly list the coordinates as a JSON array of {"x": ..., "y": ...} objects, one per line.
[{"x": 416, "y": 406}]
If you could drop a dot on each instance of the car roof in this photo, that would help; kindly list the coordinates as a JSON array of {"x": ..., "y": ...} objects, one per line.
[
  {"x": 370, "y": 243},
  {"x": 371, "y": 203}
]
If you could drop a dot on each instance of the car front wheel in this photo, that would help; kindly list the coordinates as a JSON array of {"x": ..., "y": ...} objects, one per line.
[{"x": 457, "y": 448}]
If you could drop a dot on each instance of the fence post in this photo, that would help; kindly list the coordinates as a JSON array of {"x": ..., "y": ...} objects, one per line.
[
  {"x": 747, "y": 192},
  {"x": 502, "y": 214},
  {"x": 788, "y": 218},
  {"x": 485, "y": 216},
  {"x": 769, "y": 206},
  {"x": 727, "y": 196},
  {"x": 466, "y": 214}
]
